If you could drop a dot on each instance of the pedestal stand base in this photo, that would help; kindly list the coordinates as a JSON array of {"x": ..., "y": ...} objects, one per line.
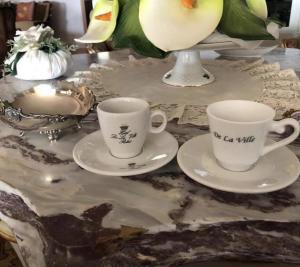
[{"x": 188, "y": 71}]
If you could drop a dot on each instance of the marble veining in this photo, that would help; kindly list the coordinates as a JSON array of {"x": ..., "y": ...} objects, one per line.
[{"x": 139, "y": 220}]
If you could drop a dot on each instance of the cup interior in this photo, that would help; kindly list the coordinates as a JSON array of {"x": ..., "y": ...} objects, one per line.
[
  {"x": 123, "y": 105},
  {"x": 241, "y": 111}
]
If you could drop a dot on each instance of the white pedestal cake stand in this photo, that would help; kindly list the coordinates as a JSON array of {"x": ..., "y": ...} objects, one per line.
[{"x": 188, "y": 70}]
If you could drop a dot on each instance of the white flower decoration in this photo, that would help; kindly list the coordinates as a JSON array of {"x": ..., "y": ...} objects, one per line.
[{"x": 32, "y": 38}]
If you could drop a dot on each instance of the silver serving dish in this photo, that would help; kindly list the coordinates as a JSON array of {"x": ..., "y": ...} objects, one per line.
[{"x": 48, "y": 108}]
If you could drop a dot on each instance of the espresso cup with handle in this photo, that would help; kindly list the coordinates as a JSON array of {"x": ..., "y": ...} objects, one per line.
[
  {"x": 239, "y": 130},
  {"x": 125, "y": 123}
]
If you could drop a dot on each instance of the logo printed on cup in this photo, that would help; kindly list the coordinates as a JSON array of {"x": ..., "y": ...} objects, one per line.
[{"x": 125, "y": 136}]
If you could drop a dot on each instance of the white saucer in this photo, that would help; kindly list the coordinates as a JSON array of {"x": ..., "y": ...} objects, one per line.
[
  {"x": 274, "y": 171},
  {"x": 92, "y": 154}
]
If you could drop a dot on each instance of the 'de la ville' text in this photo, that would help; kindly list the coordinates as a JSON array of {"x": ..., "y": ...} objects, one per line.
[{"x": 241, "y": 140}]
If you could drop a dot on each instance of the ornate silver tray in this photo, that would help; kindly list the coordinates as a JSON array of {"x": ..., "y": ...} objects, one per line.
[{"x": 48, "y": 108}]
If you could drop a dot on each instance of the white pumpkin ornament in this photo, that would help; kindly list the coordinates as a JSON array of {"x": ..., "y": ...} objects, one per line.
[
  {"x": 39, "y": 65},
  {"x": 37, "y": 55}
]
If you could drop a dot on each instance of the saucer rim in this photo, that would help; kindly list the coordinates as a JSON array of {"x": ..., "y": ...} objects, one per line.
[
  {"x": 125, "y": 173},
  {"x": 231, "y": 189}
]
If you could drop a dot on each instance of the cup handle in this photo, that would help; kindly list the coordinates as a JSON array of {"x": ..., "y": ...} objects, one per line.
[
  {"x": 279, "y": 127},
  {"x": 162, "y": 127}
]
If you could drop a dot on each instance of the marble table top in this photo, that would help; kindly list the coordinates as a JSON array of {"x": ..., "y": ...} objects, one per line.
[
  {"x": 62, "y": 215},
  {"x": 288, "y": 58}
]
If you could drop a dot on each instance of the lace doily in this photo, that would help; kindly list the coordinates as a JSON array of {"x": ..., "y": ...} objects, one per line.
[{"x": 280, "y": 88}]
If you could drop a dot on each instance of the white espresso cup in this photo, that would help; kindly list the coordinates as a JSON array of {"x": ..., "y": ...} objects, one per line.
[
  {"x": 125, "y": 123},
  {"x": 239, "y": 130}
]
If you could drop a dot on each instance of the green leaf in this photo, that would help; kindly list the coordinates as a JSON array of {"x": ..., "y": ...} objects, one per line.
[
  {"x": 129, "y": 33},
  {"x": 13, "y": 66},
  {"x": 239, "y": 22}
]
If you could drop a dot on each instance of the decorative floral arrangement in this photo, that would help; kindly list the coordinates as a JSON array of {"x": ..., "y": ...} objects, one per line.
[
  {"x": 155, "y": 27},
  {"x": 36, "y": 54}
]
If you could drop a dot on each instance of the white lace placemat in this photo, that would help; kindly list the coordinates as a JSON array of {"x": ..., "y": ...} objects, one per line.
[{"x": 277, "y": 88}]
